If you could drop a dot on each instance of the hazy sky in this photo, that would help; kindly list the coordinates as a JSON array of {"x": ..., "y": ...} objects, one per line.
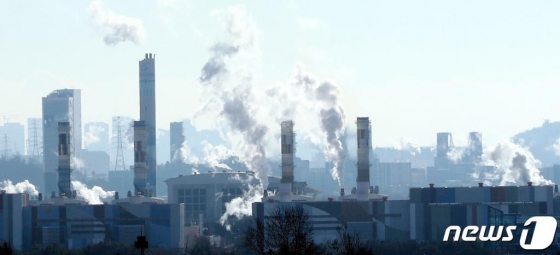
[{"x": 414, "y": 67}]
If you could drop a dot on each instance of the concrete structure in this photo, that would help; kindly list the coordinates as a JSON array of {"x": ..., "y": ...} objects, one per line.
[
  {"x": 287, "y": 143},
  {"x": 64, "y": 168},
  {"x": 11, "y": 211},
  {"x": 140, "y": 158},
  {"x": 444, "y": 146},
  {"x": 79, "y": 226},
  {"x": 12, "y": 139},
  {"x": 363, "y": 165},
  {"x": 176, "y": 140},
  {"x": 429, "y": 212},
  {"x": 207, "y": 193},
  {"x": 60, "y": 106},
  {"x": 147, "y": 91}
]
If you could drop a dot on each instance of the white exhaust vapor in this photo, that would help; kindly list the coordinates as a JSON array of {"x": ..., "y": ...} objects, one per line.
[
  {"x": 92, "y": 196},
  {"x": 20, "y": 187},
  {"x": 235, "y": 105},
  {"x": 514, "y": 165},
  {"x": 118, "y": 28}
]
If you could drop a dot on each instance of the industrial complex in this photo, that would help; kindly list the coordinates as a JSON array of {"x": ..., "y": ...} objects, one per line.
[{"x": 390, "y": 201}]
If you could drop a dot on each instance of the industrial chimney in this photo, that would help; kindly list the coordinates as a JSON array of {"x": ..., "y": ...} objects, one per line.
[
  {"x": 364, "y": 146},
  {"x": 64, "y": 169},
  {"x": 287, "y": 143},
  {"x": 140, "y": 167}
]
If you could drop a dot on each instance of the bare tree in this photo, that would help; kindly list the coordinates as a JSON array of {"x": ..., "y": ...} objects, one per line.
[
  {"x": 285, "y": 231},
  {"x": 348, "y": 243}
]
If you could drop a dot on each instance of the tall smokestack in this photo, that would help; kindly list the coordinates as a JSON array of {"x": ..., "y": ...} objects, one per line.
[
  {"x": 148, "y": 115},
  {"x": 140, "y": 166},
  {"x": 364, "y": 146},
  {"x": 64, "y": 169},
  {"x": 287, "y": 142}
]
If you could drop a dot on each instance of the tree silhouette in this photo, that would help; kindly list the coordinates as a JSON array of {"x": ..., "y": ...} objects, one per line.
[{"x": 285, "y": 231}]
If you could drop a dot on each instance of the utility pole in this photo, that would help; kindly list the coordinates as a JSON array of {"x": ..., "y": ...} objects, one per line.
[{"x": 119, "y": 159}]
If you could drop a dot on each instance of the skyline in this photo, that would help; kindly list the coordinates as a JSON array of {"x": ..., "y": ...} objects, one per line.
[{"x": 405, "y": 58}]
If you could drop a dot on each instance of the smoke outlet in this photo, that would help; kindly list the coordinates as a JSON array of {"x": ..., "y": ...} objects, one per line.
[
  {"x": 480, "y": 184},
  {"x": 384, "y": 198},
  {"x": 529, "y": 184},
  {"x": 341, "y": 192},
  {"x": 431, "y": 185}
]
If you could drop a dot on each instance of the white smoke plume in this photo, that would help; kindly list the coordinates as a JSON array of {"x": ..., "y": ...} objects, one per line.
[
  {"x": 186, "y": 155},
  {"x": 406, "y": 144},
  {"x": 118, "y": 28},
  {"x": 456, "y": 153},
  {"x": 556, "y": 147},
  {"x": 241, "y": 206},
  {"x": 326, "y": 96},
  {"x": 236, "y": 107},
  {"x": 92, "y": 196},
  {"x": 215, "y": 155},
  {"x": 93, "y": 133},
  {"x": 20, "y": 187},
  {"x": 76, "y": 164},
  {"x": 514, "y": 165}
]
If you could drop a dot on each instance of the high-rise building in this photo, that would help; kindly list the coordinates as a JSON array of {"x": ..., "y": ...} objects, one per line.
[
  {"x": 176, "y": 140},
  {"x": 148, "y": 115},
  {"x": 12, "y": 139},
  {"x": 64, "y": 105}
]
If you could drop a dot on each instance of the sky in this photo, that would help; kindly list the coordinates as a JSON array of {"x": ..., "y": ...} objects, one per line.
[{"x": 414, "y": 67}]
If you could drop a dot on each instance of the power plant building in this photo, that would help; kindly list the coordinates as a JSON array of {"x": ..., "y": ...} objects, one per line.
[{"x": 60, "y": 106}]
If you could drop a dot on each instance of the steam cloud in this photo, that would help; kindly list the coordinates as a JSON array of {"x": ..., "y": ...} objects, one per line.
[
  {"x": 93, "y": 132},
  {"x": 235, "y": 105},
  {"x": 20, "y": 187},
  {"x": 241, "y": 206},
  {"x": 92, "y": 196},
  {"x": 118, "y": 28},
  {"x": 513, "y": 164},
  {"x": 406, "y": 144}
]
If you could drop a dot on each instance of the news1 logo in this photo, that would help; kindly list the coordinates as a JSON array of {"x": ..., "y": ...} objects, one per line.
[{"x": 543, "y": 230}]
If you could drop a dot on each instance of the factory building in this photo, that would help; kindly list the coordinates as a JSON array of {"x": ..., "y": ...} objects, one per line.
[
  {"x": 206, "y": 193},
  {"x": 428, "y": 213},
  {"x": 147, "y": 91},
  {"x": 176, "y": 140},
  {"x": 79, "y": 226},
  {"x": 60, "y": 106},
  {"x": 12, "y": 138}
]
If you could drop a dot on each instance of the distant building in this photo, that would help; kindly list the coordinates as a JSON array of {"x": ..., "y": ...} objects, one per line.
[
  {"x": 12, "y": 139},
  {"x": 177, "y": 138},
  {"x": 63, "y": 105},
  {"x": 96, "y": 162},
  {"x": 392, "y": 178}
]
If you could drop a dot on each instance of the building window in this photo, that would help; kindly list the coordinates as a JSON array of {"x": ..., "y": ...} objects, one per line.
[{"x": 195, "y": 203}]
